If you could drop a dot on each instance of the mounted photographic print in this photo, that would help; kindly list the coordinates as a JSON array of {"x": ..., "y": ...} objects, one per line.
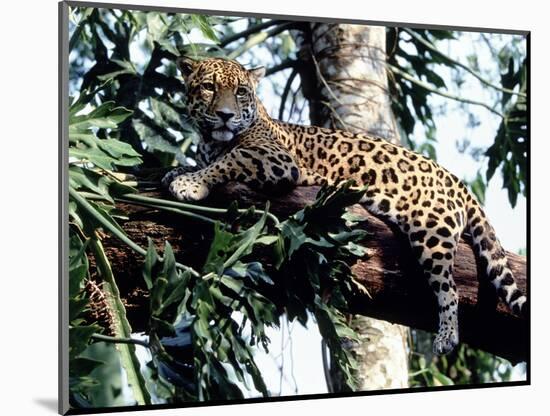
[{"x": 265, "y": 208}]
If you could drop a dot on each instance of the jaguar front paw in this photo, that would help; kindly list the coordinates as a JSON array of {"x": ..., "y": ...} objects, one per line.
[
  {"x": 174, "y": 173},
  {"x": 187, "y": 187}
]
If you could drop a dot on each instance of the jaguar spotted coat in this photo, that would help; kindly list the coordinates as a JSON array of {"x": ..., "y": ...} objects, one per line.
[{"x": 241, "y": 142}]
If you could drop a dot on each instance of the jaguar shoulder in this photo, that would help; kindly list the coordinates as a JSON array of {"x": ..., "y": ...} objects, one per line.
[{"x": 241, "y": 142}]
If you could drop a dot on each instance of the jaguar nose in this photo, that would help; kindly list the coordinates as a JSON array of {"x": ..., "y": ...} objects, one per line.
[{"x": 225, "y": 115}]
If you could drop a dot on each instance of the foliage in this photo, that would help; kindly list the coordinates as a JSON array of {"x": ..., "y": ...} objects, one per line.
[
  {"x": 92, "y": 153},
  {"x": 417, "y": 65},
  {"x": 213, "y": 322},
  {"x": 105, "y": 43},
  {"x": 464, "y": 365},
  {"x": 511, "y": 142},
  {"x": 319, "y": 244}
]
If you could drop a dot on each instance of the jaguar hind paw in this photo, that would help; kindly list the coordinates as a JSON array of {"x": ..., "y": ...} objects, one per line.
[{"x": 445, "y": 341}]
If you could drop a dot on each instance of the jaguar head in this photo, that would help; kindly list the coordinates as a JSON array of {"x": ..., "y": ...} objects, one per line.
[{"x": 221, "y": 96}]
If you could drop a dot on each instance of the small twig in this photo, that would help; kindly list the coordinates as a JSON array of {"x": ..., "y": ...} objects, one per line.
[
  {"x": 289, "y": 330},
  {"x": 323, "y": 80},
  {"x": 281, "y": 367},
  {"x": 293, "y": 103},
  {"x": 286, "y": 90},
  {"x": 429, "y": 88},
  {"x": 174, "y": 210},
  {"x": 117, "y": 340},
  {"x": 344, "y": 124}
]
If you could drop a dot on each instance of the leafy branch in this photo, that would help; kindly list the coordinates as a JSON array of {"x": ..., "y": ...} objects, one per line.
[
  {"x": 437, "y": 91},
  {"x": 454, "y": 63}
]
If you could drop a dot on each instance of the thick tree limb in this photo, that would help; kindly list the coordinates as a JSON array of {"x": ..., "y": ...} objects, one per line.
[{"x": 398, "y": 291}]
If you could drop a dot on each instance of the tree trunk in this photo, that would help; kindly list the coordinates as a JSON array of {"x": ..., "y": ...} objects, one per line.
[{"x": 345, "y": 81}]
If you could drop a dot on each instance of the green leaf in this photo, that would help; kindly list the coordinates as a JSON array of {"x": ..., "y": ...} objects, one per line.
[
  {"x": 293, "y": 232},
  {"x": 156, "y": 26},
  {"x": 169, "y": 264},
  {"x": 478, "y": 188},
  {"x": 82, "y": 365},
  {"x": 79, "y": 338},
  {"x": 177, "y": 292},
  {"x": 254, "y": 271},
  {"x": 443, "y": 379},
  {"x": 78, "y": 265},
  {"x": 233, "y": 284},
  {"x": 267, "y": 239},
  {"x": 76, "y": 307},
  {"x": 167, "y": 45},
  {"x": 118, "y": 149},
  {"x": 86, "y": 179},
  {"x": 106, "y": 116},
  {"x": 166, "y": 113},
  {"x": 154, "y": 140},
  {"x": 150, "y": 261},
  {"x": 201, "y": 22},
  {"x": 157, "y": 293},
  {"x": 226, "y": 248}
]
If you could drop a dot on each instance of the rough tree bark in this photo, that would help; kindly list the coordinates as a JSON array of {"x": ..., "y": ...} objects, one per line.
[
  {"x": 345, "y": 82},
  {"x": 398, "y": 291}
]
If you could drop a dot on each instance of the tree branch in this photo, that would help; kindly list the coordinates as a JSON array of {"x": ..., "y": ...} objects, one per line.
[
  {"x": 287, "y": 63},
  {"x": 398, "y": 291},
  {"x": 250, "y": 31}
]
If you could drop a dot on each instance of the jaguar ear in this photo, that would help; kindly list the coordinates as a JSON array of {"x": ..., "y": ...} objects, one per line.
[
  {"x": 257, "y": 74},
  {"x": 186, "y": 66}
]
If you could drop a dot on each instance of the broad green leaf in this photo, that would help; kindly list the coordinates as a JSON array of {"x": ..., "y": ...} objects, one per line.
[
  {"x": 153, "y": 140},
  {"x": 169, "y": 264},
  {"x": 107, "y": 115},
  {"x": 117, "y": 149},
  {"x": 177, "y": 292},
  {"x": 79, "y": 338},
  {"x": 150, "y": 261},
  {"x": 442, "y": 378},
  {"x": 86, "y": 179},
  {"x": 293, "y": 232},
  {"x": 203, "y": 24},
  {"x": 165, "y": 112},
  {"x": 156, "y": 26}
]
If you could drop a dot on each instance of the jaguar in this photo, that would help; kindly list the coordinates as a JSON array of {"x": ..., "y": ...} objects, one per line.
[{"x": 431, "y": 206}]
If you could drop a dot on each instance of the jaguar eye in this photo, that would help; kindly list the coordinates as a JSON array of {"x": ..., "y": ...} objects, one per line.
[
  {"x": 241, "y": 91},
  {"x": 208, "y": 86}
]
